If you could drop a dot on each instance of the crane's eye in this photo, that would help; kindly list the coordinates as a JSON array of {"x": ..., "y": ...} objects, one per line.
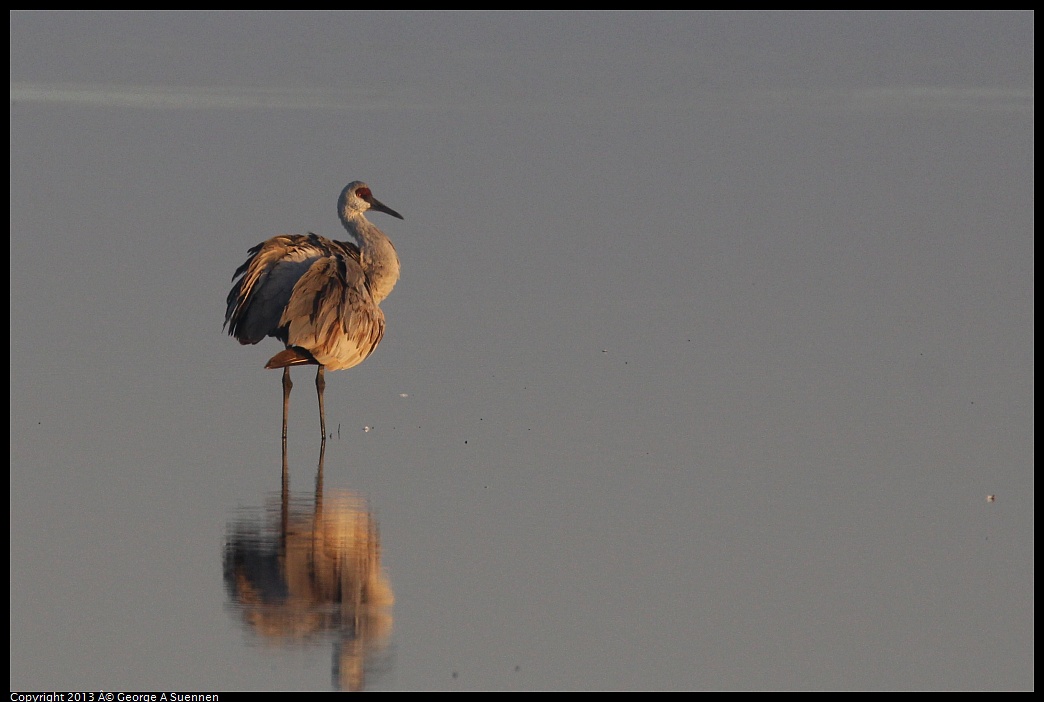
[{"x": 364, "y": 193}]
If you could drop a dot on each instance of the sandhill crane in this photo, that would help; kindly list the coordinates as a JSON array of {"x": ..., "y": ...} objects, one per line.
[{"x": 318, "y": 296}]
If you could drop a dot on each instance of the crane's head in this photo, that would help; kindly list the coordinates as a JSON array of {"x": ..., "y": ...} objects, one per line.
[{"x": 356, "y": 197}]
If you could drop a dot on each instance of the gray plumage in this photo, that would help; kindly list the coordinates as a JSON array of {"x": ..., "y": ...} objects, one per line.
[{"x": 318, "y": 296}]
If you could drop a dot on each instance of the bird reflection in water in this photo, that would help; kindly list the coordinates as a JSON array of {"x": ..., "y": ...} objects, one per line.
[{"x": 307, "y": 570}]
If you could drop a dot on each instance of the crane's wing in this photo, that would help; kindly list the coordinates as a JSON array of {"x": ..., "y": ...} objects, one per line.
[
  {"x": 266, "y": 281},
  {"x": 332, "y": 314}
]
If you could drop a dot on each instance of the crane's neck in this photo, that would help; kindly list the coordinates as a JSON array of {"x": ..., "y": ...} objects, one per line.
[{"x": 380, "y": 262}]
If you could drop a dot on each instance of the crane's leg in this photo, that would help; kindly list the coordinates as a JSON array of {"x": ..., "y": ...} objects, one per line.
[
  {"x": 320, "y": 385},
  {"x": 287, "y": 387}
]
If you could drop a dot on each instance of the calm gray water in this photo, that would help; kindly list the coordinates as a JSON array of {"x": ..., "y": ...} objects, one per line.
[{"x": 714, "y": 333}]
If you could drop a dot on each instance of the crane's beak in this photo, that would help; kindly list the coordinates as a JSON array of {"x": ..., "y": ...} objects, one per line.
[{"x": 376, "y": 204}]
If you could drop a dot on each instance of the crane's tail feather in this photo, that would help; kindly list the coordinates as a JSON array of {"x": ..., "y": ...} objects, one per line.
[{"x": 293, "y": 356}]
